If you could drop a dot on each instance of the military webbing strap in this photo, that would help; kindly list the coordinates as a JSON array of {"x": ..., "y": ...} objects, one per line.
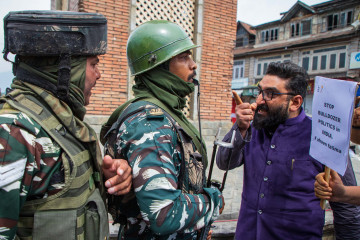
[
  {"x": 72, "y": 147},
  {"x": 105, "y": 128},
  {"x": 199, "y": 146}
]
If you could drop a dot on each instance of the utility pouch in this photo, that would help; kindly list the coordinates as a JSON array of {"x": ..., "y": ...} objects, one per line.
[
  {"x": 55, "y": 224},
  {"x": 90, "y": 222}
]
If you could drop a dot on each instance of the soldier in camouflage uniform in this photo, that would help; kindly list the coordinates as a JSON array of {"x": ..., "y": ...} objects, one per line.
[
  {"x": 165, "y": 151},
  {"x": 51, "y": 184}
]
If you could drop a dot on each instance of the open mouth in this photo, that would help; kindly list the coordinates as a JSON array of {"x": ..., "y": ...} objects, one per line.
[{"x": 262, "y": 109}]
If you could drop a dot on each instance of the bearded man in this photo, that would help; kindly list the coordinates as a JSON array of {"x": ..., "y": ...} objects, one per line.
[{"x": 273, "y": 143}]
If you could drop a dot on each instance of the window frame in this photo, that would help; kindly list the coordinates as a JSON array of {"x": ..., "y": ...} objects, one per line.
[
  {"x": 240, "y": 66},
  {"x": 265, "y": 61},
  {"x": 335, "y": 59},
  {"x": 269, "y": 35}
]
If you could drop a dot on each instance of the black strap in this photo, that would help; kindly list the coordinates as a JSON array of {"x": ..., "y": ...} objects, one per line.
[{"x": 64, "y": 77}]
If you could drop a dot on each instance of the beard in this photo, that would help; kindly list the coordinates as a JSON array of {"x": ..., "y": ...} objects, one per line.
[{"x": 275, "y": 117}]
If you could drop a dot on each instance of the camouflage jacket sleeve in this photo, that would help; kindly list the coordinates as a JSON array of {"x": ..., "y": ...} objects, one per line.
[
  {"x": 150, "y": 144},
  {"x": 28, "y": 159}
]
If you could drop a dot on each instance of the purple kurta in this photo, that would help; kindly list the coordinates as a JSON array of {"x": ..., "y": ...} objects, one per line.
[{"x": 278, "y": 200}]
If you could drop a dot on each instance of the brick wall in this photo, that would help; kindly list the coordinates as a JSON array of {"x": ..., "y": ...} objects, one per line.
[
  {"x": 111, "y": 90},
  {"x": 219, "y": 34}
]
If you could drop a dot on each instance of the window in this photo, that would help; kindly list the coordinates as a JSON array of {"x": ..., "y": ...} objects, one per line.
[
  {"x": 342, "y": 19},
  {"x": 263, "y": 63},
  {"x": 238, "y": 71},
  {"x": 269, "y": 35},
  {"x": 324, "y": 59},
  {"x": 295, "y": 29},
  {"x": 323, "y": 62},
  {"x": 349, "y": 18},
  {"x": 324, "y": 24},
  {"x": 315, "y": 63},
  {"x": 342, "y": 60},
  {"x": 336, "y": 20},
  {"x": 242, "y": 41},
  {"x": 265, "y": 68},
  {"x": 259, "y": 69},
  {"x": 306, "y": 27},
  {"x": 301, "y": 28},
  {"x": 305, "y": 63},
  {"x": 332, "y": 21},
  {"x": 332, "y": 61}
]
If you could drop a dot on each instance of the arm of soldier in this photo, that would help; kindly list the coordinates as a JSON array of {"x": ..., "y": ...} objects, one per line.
[
  {"x": 117, "y": 174},
  {"x": 16, "y": 171},
  {"x": 155, "y": 159},
  {"x": 236, "y": 158}
]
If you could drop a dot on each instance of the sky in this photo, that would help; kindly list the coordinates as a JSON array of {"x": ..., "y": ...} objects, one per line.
[
  {"x": 256, "y": 12},
  {"x": 253, "y": 12}
]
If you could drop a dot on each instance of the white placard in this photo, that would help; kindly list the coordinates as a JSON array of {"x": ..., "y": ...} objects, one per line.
[{"x": 332, "y": 109}]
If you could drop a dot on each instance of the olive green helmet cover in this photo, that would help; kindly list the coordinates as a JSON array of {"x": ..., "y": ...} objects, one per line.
[{"x": 155, "y": 42}]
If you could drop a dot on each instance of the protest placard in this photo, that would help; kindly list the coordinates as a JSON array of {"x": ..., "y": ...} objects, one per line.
[{"x": 332, "y": 109}]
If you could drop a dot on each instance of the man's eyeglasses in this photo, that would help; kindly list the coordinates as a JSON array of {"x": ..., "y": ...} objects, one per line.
[{"x": 268, "y": 94}]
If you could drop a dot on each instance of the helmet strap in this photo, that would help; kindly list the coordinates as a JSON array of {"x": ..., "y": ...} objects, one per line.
[{"x": 63, "y": 82}]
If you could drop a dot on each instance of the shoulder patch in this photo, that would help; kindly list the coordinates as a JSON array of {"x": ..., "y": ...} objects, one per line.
[{"x": 154, "y": 113}]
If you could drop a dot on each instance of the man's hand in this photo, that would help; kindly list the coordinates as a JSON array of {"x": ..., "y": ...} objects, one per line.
[
  {"x": 209, "y": 235},
  {"x": 117, "y": 173},
  {"x": 244, "y": 115},
  {"x": 222, "y": 209},
  {"x": 332, "y": 191}
]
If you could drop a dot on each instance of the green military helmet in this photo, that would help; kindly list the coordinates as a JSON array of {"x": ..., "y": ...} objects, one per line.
[{"x": 155, "y": 42}]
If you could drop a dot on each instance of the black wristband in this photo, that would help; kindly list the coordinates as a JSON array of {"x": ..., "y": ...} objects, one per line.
[{"x": 356, "y": 127}]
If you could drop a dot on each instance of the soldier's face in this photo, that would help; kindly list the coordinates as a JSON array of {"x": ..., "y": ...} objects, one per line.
[
  {"x": 92, "y": 75},
  {"x": 183, "y": 66}
]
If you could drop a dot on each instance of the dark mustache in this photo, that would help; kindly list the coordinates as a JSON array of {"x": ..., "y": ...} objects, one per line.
[
  {"x": 192, "y": 75},
  {"x": 262, "y": 107}
]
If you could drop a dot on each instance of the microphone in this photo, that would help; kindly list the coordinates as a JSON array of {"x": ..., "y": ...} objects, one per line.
[{"x": 196, "y": 82}]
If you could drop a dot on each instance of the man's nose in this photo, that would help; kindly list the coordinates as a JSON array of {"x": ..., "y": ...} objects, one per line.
[
  {"x": 193, "y": 65},
  {"x": 260, "y": 99},
  {"x": 98, "y": 74}
]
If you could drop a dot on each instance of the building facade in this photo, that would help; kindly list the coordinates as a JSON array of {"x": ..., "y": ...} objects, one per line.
[
  {"x": 210, "y": 23},
  {"x": 322, "y": 38}
]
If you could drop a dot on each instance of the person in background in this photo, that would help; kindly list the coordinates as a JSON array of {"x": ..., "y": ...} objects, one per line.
[{"x": 342, "y": 191}]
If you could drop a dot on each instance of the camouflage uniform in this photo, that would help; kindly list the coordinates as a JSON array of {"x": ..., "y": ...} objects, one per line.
[
  {"x": 167, "y": 205},
  {"x": 50, "y": 181},
  {"x": 30, "y": 167}
]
